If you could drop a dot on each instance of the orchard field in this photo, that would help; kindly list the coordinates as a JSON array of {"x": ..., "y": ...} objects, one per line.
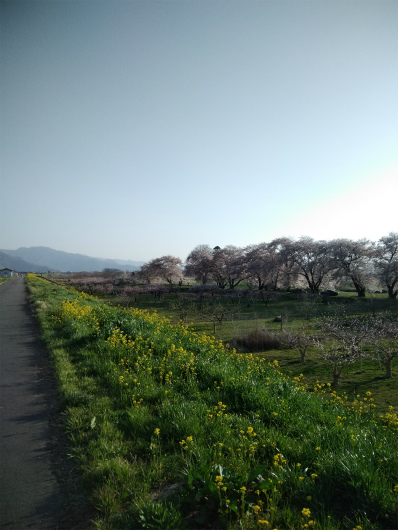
[{"x": 173, "y": 428}]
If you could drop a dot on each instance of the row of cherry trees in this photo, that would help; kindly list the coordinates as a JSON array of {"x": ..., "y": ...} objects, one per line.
[{"x": 286, "y": 263}]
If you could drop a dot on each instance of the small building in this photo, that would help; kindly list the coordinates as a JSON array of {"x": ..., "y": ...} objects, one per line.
[{"x": 6, "y": 273}]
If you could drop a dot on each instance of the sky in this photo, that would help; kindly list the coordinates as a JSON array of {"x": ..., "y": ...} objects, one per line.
[{"x": 133, "y": 129}]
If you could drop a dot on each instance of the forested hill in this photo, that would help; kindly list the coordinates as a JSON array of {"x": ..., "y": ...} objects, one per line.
[{"x": 18, "y": 264}]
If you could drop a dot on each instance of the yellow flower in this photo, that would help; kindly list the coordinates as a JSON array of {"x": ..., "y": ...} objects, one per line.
[
  {"x": 262, "y": 521},
  {"x": 256, "y": 508},
  {"x": 157, "y": 432},
  {"x": 306, "y": 512},
  {"x": 189, "y": 439}
]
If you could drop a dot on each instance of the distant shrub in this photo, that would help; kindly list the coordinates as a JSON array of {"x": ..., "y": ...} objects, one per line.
[
  {"x": 157, "y": 291},
  {"x": 203, "y": 288},
  {"x": 258, "y": 340}
]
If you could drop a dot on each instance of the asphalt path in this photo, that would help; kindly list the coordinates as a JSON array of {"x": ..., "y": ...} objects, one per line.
[{"x": 32, "y": 496}]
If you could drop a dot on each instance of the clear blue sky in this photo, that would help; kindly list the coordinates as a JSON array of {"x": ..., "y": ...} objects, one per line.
[{"x": 134, "y": 129}]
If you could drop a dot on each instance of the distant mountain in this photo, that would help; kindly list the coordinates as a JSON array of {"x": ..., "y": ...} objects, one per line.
[
  {"x": 19, "y": 264},
  {"x": 57, "y": 260}
]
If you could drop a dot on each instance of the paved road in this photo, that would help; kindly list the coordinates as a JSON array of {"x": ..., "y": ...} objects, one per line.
[{"x": 30, "y": 494}]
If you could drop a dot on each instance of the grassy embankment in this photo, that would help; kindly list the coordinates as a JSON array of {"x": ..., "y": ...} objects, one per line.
[
  {"x": 298, "y": 312},
  {"x": 172, "y": 430}
]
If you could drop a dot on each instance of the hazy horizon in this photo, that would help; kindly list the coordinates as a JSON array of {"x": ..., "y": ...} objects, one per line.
[
  {"x": 135, "y": 129},
  {"x": 135, "y": 260}
]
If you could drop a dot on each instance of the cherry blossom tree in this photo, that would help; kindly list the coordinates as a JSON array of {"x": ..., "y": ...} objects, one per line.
[
  {"x": 353, "y": 261},
  {"x": 263, "y": 266},
  {"x": 386, "y": 263},
  {"x": 228, "y": 266},
  {"x": 199, "y": 264},
  {"x": 284, "y": 250},
  {"x": 158, "y": 291},
  {"x": 168, "y": 268},
  {"x": 313, "y": 262},
  {"x": 130, "y": 294}
]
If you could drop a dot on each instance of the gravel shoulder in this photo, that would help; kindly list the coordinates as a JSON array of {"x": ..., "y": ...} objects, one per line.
[{"x": 39, "y": 485}]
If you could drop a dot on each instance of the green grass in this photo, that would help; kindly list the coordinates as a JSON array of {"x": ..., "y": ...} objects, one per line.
[
  {"x": 3, "y": 280},
  {"x": 174, "y": 430},
  {"x": 360, "y": 377}
]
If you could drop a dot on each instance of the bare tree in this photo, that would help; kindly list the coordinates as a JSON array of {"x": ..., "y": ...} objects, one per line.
[
  {"x": 267, "y": 296},
  {"x": 385, "y": 341},
  {"x": 215, "y": 312},
  {"x": 342, "y": 339},
  {"x": 353, "y": 261},
  {"x": 181, "y": 305},
  {"x": 386, "y": 263},
  {"x": 309, "y": 304},
  {"x": 298, "y": 340}
]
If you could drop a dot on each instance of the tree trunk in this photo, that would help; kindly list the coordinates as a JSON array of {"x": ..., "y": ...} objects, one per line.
[
  {"x": 336, "y": 376},
  {"x": 391, "y": 293},
  {"x": 387, "y": 366},
  {"x": 360, "y": 289}
]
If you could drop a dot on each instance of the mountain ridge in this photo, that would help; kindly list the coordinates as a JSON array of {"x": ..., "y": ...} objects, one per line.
[
  {"x": 18, "y": 264},
  {"x": 44, "y": 259}
]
